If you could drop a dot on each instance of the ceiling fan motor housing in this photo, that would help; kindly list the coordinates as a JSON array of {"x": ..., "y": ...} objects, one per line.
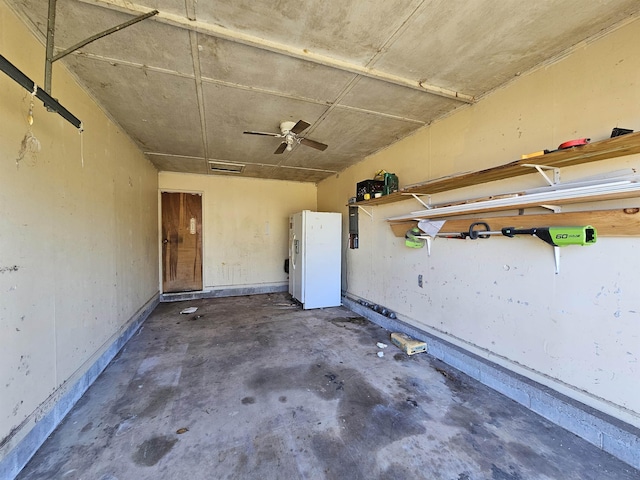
[{"x": 286, "y": 127}]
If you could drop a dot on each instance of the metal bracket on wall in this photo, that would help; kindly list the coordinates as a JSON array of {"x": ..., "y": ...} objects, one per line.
[
  {"x": 365, "y": 211},
  {"x": 541, "y": 168},
  {"x": 417, "y": 197},
  {"x": 553, "y": 208},
  {"x": 51, "y": 28}
]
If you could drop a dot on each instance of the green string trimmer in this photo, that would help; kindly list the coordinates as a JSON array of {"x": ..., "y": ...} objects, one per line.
[{"x": 555, "y": 236}]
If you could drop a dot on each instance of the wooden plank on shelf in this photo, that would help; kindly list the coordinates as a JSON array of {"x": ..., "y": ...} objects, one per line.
[
  {"x": 602, "y": 150},
  {"x": 390, "y": 198},
  {"x": 608, "y": 223}
]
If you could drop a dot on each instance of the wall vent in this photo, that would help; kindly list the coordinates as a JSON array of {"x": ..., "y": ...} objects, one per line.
[{"x": 224, "y": 167}]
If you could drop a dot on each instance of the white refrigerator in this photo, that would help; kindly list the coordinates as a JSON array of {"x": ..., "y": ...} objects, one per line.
[{"x": 315, "y": 258}]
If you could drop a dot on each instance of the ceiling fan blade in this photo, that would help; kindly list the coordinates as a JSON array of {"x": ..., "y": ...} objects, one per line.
[
  {"x": 281, "y": 148},
  {"x": 269, "y": 134},
  {"x": 300, "y": 126},
  {"x": 313, "y": 144}
]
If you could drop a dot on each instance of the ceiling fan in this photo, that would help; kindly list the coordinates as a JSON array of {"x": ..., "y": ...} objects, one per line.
[{"x": 289, "y": 132}]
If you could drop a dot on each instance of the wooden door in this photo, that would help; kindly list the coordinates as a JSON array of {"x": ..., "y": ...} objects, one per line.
[{"x": 181, "y": 242}]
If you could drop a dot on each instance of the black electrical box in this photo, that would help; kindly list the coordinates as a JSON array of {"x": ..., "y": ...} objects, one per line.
[
  {"x": 353, "y": 227},
  {"x": 353, "y": 220}
]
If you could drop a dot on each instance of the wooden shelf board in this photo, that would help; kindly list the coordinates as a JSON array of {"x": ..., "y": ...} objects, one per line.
[
  {"x": 608, "y": 223},
  {"x": 610, "y": 148}
]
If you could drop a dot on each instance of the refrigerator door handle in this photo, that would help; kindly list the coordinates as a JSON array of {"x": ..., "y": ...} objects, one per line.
[{"x": 295, "y": 249}]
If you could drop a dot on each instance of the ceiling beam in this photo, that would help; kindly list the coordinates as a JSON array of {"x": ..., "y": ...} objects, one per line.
[
  {"x": 195, "y": 58},
  {"x": 280, "y": 48}
]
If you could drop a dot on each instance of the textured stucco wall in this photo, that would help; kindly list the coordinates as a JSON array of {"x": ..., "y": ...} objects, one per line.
[
  {"x": 78, "y": 243},
  {"x": 579, "y": 331}
]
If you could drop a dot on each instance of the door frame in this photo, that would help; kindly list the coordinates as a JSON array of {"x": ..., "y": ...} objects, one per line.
[{"x": 160, "y": 263}]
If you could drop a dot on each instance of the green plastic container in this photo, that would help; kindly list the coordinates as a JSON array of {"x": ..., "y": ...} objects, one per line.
[{"x": 390, "y": 183}]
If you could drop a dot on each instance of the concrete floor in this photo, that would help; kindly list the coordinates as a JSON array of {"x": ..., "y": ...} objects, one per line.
[{"x": 256, "y": 388}]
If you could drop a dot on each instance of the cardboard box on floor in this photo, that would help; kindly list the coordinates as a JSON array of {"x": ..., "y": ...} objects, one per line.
[{"x": 407, "y": 344}]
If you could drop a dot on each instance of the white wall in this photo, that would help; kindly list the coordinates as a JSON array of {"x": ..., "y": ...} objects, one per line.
[
  {"x": 579, "y": 331},
  {"x": 78, "y": 246},
  {"x": 245, "y": 226}
]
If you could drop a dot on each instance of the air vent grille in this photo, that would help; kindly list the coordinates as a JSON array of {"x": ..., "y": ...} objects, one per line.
[{"x": 224, "y": 167}]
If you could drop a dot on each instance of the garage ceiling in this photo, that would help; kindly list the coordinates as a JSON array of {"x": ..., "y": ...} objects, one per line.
[{"x": 186, "y": 83}]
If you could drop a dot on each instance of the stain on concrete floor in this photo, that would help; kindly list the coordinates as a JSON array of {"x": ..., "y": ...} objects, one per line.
[
  {"x": 267, "y": 392},
  {"x": 151, "y": 451}
]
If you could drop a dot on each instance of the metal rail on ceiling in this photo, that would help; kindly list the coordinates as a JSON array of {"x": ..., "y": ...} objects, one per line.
[{"x": 49, "y": 102}]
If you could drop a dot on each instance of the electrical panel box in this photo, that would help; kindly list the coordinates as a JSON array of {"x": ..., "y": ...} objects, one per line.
[{"x": 353, "y": 220}]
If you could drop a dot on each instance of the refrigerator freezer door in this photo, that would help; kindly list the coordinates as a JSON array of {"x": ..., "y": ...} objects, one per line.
[
  {"x": 322, "y": 258},
  {"x": 314, "y": 258}
]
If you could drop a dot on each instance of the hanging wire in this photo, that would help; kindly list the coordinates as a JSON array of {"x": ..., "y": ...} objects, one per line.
[
  {"x": 30, "y": 116},
  {"x": 30, "y": 144},
  {"x": 80, "y": 130}
]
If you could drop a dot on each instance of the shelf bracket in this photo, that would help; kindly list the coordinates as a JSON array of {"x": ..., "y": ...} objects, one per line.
[
  {"x": 556, "y": 258},
  {"x": 425, "y": 205},
  {"x": 553, "y": 208},
  {"x": 428, "y": 240},
  {"x": 541, "y": 168},
  {"x": 365, "y": 211}
]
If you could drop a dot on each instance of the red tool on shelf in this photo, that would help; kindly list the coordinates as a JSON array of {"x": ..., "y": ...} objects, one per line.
[{"x": 574, "y": 143}]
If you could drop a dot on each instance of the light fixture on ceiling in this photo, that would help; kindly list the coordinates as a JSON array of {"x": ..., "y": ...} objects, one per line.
[{"x": 289, "y": 139}]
